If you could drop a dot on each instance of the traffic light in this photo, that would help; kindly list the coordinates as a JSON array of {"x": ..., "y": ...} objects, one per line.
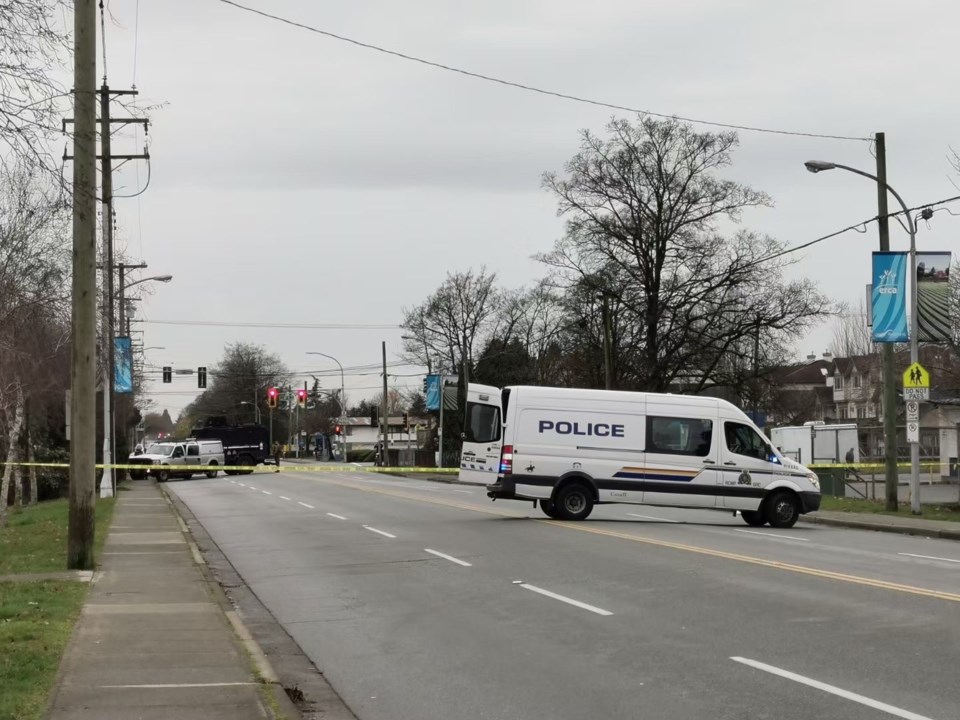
[
  {"x": 374, "y": 417},
  {"x": 167, "y": 374},
  {"x": 301, "y": 397},
  {"x": 338, "y": 430},
  {"x": 406, "y": 422},
  {"x": 201, "y": 377},
  {"x": 272, "y": 395},
  {"x": 424, "y": 385}
]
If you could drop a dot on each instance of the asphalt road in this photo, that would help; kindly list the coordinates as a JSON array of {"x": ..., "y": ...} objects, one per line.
[{"x": 423, "y": 600}]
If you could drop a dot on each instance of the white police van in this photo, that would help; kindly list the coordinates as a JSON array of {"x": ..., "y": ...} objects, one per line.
[{"x": 569, "y": 449}]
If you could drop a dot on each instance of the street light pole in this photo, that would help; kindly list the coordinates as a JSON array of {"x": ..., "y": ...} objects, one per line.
[
  {"x": 815, "y": 166},
  {"x": 342, "y": 399}
]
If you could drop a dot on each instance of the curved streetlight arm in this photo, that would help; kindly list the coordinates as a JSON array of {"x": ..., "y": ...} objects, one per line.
[{"x": 342, "y": 398}]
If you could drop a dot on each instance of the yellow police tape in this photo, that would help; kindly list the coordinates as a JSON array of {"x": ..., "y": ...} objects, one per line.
[
  {"x": 871, "y": 466},
  {"x": 286, "y": 467}
]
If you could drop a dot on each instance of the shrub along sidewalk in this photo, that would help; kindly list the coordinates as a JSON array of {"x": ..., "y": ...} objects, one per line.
[{"x": 36, "y": 618}]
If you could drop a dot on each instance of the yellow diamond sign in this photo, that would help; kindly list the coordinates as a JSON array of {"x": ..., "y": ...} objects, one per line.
[{"x": 916, "y": 376}]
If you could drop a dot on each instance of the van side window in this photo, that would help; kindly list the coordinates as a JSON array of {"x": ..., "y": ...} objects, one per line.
[
  {"x": 193, "y": 450},
  {"x": 483, "y": 423},
  {"x": 744, "y": 440},
  {"x": 679, "y": 436}
]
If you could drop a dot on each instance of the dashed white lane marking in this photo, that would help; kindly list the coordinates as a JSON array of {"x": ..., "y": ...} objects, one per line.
[
  {"x": 305, "y": 505},
  {"x": 772, "y": 535},
  {"x": 338, "y": 517},
  {"x": 651, "y": 517},
  {"x": 379, "y": 532},
  {"x": 930, "y": 557},
  {"x": 266, "y": 492},
  {"x": 564, "y": 598},
  {"x": 283, "y": 497},
  {"x": 242, "y": 484},
  {"x": 833, "y": 690},
  {"x": 451, "y": 558},
  {"x": 251, "y": 487}
]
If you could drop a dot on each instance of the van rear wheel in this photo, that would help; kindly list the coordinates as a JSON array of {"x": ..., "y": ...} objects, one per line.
[
  {"x": 212, "y": 472},
  {"x": 549, "y": 509},
  {"x": 574, "y": 502},
  {"x": 753, "y": 518},
  {"x": 782, "y": 509}
]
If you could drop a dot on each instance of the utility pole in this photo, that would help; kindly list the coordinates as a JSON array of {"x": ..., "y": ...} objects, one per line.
[
  {"x": 83, "y": 377},
  {"x": 386, "y": 418},
  {"x": 607, "y": 342},
  {"x": 107, "y": 481},
  {"x": 887, "y": 365}
]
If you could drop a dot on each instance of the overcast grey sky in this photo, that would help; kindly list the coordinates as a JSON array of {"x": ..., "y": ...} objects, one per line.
[{"x": 299, "y": 179}]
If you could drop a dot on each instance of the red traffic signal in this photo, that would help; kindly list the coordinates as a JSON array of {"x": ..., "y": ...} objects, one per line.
[
  {"x": 301, "y": 397},
  {"x": 338, "y": 430},
  {"x": 272, "y": 395}
]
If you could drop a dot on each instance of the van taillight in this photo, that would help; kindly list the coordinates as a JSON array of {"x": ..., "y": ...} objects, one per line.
[{"x": 506, "y": 460}]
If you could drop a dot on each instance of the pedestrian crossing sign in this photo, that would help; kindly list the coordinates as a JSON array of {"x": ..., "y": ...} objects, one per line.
[{"x": 916, "y": 376}]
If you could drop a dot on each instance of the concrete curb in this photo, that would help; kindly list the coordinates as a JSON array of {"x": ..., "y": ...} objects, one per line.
[
  {"x": 261, "y": 634},
  {"x": 281, "y": 701},
  {"x": 942, "y": 534},
  {"x": 435, "y": 478}
]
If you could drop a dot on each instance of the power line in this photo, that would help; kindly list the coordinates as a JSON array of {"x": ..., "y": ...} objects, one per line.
[
  {"x": 284, "y": 326},
  {"x": 531, "y": 88}
]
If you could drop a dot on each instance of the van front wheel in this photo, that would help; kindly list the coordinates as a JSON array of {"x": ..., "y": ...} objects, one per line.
[
  {"x": 574, "y": 502},
  {"x": 782, "y": 510}
]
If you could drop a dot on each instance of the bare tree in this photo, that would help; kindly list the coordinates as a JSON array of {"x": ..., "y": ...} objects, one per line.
[
  {"x": 851, "y": 334},
  {"x": 644, "y": 208},
  {"x": 34, "y": 273},
  {"x": 34, "y": 43},
  {"x": 451, "y": 325}
]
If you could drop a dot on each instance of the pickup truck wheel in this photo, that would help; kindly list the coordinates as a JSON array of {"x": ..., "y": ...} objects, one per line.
[
  {"x": 574, "y": 502},
  {"x": 163, "y": 476},
  {"x": 212, "y": 472}
]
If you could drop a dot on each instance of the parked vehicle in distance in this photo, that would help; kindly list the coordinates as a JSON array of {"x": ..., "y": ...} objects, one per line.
[
  {"x": 164, "y": 460},
  {"x": 570, "y": 449},
  {"x": 243, "y": 445}
]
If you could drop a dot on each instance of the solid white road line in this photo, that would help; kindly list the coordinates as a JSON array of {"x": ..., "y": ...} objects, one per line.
[
  {"x": 380, "y": 532},
  {"x": 772, "y": 535},
  {"x": 305, "y": 505},
  {"x": 448, "y": 557},
  {"x": 266, "y": 492},
  {"x": 283, "y": 497},
  {"x": 839, "y": 692},
  {"x": 929, "y": 557},
  {"x": 651, "y": 517},
  {"x": 338, "y": 517},
  {"x": 563, "y": 598}
]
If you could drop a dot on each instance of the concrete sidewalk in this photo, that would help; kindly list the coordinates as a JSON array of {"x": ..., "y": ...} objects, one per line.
[
  {"x": 903, "y": 524},
  {"x": 154, "y": 640}
]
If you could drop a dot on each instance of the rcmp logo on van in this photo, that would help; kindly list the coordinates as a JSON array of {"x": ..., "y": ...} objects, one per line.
[{"x": 562, "y": 427}]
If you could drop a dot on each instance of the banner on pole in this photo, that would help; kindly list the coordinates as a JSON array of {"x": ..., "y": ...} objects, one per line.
[
  {"x": 123, "y": 365},
  {"x": 889, "y": 297},
  {"x": 935, "y": 316},
  {"x": 433, "y": 392}
]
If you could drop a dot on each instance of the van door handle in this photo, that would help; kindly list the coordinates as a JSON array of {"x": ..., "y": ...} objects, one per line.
[
  {"x": 708, "y": 462},
  {"x": 729, "y": 462}
]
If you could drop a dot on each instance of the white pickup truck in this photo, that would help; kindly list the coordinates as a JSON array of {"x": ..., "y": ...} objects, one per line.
[{"x": 164, "y": 460}]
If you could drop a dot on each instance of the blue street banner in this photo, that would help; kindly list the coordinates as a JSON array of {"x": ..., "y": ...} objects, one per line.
[
  {"x": 123, "y": 365},
  {"x": 889, "y": 298},
  {"x": 433, "y": 392}
]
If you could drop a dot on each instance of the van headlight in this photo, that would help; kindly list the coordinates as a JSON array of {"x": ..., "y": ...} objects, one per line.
[{"x": 814, "y": 480}]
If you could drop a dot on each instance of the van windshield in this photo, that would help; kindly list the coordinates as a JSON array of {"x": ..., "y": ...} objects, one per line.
[{"x": 483, "y": 423}]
